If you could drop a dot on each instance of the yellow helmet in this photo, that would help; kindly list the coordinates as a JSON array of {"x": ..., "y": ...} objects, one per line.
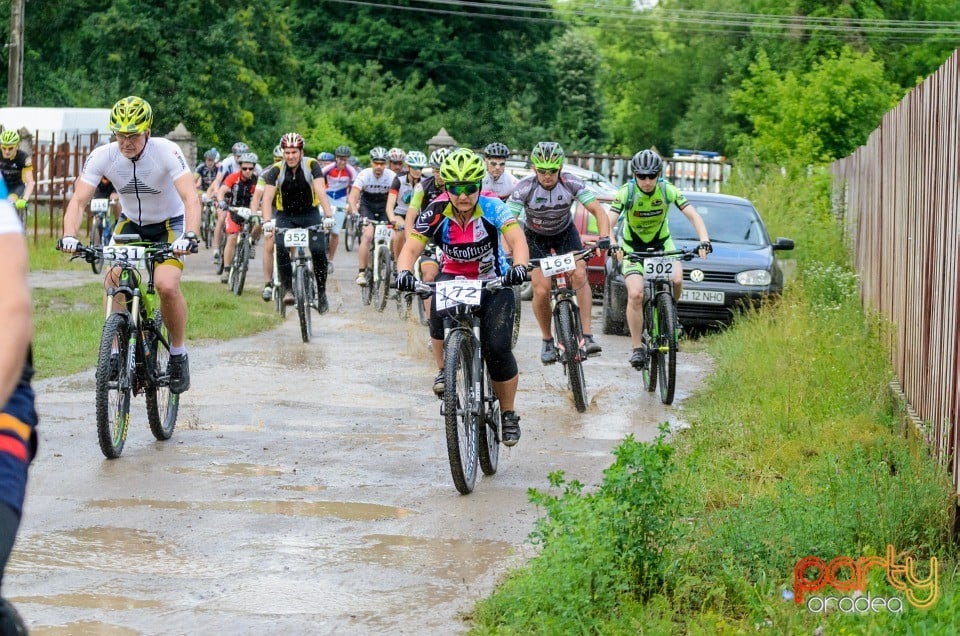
[
  {"x": 462, "y": 166},
  {"x": 131, "y": 115},
  {"x": 9, "y": 138}
]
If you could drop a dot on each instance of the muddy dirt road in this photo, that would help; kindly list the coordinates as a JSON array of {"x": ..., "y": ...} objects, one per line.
[{"x": 306, "y": 488}]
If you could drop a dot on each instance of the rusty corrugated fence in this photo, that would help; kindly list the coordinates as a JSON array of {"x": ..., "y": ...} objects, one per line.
[{"x": 899, "y": 201}]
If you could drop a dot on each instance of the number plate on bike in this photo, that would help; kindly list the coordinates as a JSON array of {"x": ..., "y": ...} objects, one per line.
[
  {"x": 382, "y": 232},
  {"x": 100, "y": 205},
  {"x": 553, "y": 265},
  {"x": 296, "y": 237},
  {"x": 124, "y": 252},
  {"x": 451, "y": 293},
  {"x": 656, "y": 268}
]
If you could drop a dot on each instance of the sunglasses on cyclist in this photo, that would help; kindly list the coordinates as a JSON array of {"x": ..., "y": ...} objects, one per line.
[
  {"x": 456, "y": 189},
  {"x": 250, "y": 169},
  {"x": 497, "y": 164},
  {"x": 646, "y": 175},
  {"x": 548, "y": 170}
]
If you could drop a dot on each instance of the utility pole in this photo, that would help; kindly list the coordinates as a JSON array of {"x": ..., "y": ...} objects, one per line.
[{"x": 15, "y": 51}]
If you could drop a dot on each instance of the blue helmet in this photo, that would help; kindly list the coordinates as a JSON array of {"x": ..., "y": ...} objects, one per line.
[{"x": 326, "y": 156}]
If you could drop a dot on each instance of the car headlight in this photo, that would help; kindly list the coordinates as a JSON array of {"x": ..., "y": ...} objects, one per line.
[{"x": 754, "y": 277}]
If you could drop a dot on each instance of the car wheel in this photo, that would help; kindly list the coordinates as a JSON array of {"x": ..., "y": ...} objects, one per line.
[{"x": 614, "y": 323}]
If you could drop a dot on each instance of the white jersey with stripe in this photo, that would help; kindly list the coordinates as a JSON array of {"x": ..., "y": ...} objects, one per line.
[
  {"x": 502, "y": 187},
  {"x": 145, "y": 186}
]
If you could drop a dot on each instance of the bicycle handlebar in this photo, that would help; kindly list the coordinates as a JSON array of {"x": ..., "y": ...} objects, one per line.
[
  {"x": 684, "y": 254},
  {"x": 425, "y": 290},
  {"x": 580, "y": 255},
  {"x": 156, "y": 252}
]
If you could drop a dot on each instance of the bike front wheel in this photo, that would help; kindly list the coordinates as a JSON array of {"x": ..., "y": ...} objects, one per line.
[
  {"x": 366, "y": 291},
  {"x": 114, "y": 385},
  {"x": 96, "y": 240},
  {"x": 569, "y": 337},
  {"x": 162, "y": 405},
  {"x": 240, "y": 264},
  {"x": 649, "y": 372},
  {"x": 459, "y": 411},
  {"x": 301, "y": 294},
  {"x": 381, "y": 283},
  {"x": 667, "y": 347}
]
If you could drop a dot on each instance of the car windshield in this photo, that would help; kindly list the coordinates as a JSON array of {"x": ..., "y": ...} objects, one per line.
[{"x": 726, "y": 223}]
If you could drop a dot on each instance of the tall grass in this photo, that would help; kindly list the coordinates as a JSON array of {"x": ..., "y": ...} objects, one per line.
[{"x": 794, "y": 449}]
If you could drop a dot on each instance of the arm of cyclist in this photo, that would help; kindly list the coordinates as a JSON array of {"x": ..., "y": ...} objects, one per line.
[
  {"x": 412, "y": 249},
  {"x": 15, "y": 307},
  {"x": 691, "y": 213},
  {"x": 266, "y": 206},
  {"x": 603, "y": 224},
  {"x": 191, "y": 214},
  {"x": 82, "y": 195},
  {"x": 517, "y": 243},
  {"x": 353, "y": 200},
  {"x": 320, "y": 187},
  {"x": 28, "y": 184},
  {"x": 397, "y": 221}
]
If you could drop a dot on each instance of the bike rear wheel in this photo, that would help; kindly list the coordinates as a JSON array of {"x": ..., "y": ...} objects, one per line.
[
  {"x": 460, "y": 414},
  {"x": 162, "y": 405},
  {"x": 667, "y": 345},
  {"x": 568, "y": 335},
  {"x": 488, "y": 429},
  {"x": 113, "y": 393},
  {"x": 301, "y": 295},
  {"x": 366, "y": 291},
  {"x": 206, "y": 229},
  {"x": 381, "y": 286}
]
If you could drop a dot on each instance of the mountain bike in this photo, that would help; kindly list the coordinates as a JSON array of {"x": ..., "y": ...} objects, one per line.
[
  {"x": 101, "y": 228},
  {"x": 297, "y": 241},
  {"x": 660, "y": 326},
  {"x": 568, "y": 332},
  {"x": 470, "y": 409},
  {"x": 379, "y": 267},
  {"x": 208, "y": 220},
  {"x": 134, "y": 345},
  {"x": 241, "y": 255},
  {"x": 352, "y": 230}
]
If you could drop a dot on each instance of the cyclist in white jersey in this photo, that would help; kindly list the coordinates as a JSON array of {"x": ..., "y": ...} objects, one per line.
[
  {"x": 542, "y": 201},
  {"x": 368, "y": 197},
  {"x": 339, "y": 175},
  {"x": 158, "y": 201},
  {"x": 497, "y": 179}
]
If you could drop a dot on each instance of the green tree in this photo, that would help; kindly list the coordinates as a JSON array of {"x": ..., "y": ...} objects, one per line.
[{"x": 579, "y": 115}]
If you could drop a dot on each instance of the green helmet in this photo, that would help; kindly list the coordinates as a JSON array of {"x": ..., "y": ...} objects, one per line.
[
  {"x": 547, "y": 155},
  {"x": 131, "y": 115},
  {"x": 9, "y": 138},
  {"x": 462, "y": 166}
]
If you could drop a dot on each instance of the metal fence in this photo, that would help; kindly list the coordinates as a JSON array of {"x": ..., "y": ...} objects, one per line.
[{"x": 899, "y": 201}]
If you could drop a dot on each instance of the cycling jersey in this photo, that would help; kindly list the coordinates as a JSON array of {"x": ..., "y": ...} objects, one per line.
[
  {"x": 228, "y": 166},
  {"x": 548, "y": 211},
  {"x": 374, "y": 191},
  {"x": 145, "y": 186},
  {"x": 425, "y": 193},
  {"x": 18, "y": 419},
  {"x": 403, "y": 189},
  {"x": 502, "y": 187},
  {"x": 646, "y": 221},
  {"x": 295, "y": 192},
  {"x": 13, "y": 169},
  {"x": 207, "y": 174},
  {"x": 472, "y": 251},
  {"x": 338, "y": 182},
  {"x": 240, "y": 190}
]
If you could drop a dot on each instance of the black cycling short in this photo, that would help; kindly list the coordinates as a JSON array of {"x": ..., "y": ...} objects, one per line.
[
  {"x": 563, "y": 243},
  {"x": 496, "y": 330}
]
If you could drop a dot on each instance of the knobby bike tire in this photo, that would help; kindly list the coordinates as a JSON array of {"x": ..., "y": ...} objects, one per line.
[
  {"x": 242, "y": 263},
  {"x": 220, "y": 247},
  {"x": 381, "y": 286},
  {"x": 113, "y": 396},
  {"x": 366, "y": 291},
  {"x": 349, "y": 232},
  {"x": 302, "y": 302},
  {"x": 460, "y": 420},
  {"x": 568, "y": 335},
  {"x": 488, "y": 430},
  {"x": 96, "y": 240},
  {"x": 162, "y": 405},
  {"x": 667, "y": 369},
  {"x": 651, "y": 337}
]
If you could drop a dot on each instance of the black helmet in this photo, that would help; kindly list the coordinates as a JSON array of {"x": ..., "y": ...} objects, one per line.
[
  {"x": 342, "y": 151},
  {"x": 496, "y": 150},
  {"x": 646, "y": 162}
]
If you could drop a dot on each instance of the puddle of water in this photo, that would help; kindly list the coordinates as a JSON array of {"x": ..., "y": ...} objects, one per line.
[
  {"x": 452, "y": 559},
  {"x": 89, "y": 628},
  {"x": 306, "y": 488},
  {"x": 349, "y": 511},
  {"x": 97, "y": 548},
  {"x": 95, "y": 601},
  {"x": 228, "y": 470}
]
